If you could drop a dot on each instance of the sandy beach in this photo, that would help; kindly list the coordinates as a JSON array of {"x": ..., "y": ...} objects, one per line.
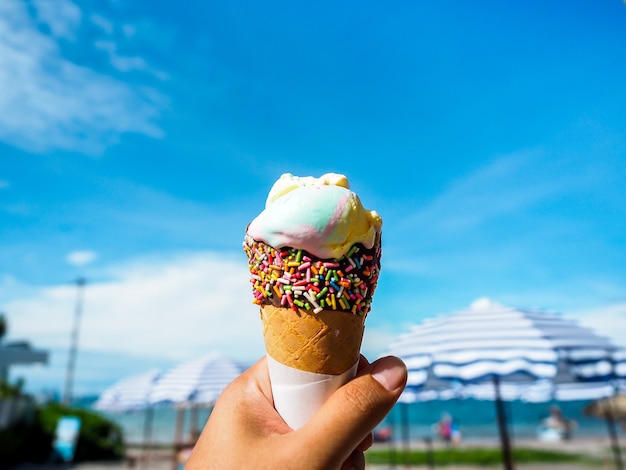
[{"x": 594, "y": 447}]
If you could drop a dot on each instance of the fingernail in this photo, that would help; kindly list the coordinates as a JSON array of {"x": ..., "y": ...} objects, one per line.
[{"x": 390, "y": 372}]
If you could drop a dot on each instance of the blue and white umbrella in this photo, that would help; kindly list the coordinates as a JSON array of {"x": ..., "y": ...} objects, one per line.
[
  {"x": 132, "y": 394},
  {"x": 192, "y": 384},
  {"x": 196, "y": 382},
  {"x": 128, "y": 394},
  {"x": 540, "y": 391},
  {"x": 501, "y": 344},
  {"x": 491, "y": 340}
]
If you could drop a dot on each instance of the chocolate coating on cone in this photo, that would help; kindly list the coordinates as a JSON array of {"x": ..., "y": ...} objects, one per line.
[
  {"x": 325, "y": 343},
  {"x": 289, "y": 277}
]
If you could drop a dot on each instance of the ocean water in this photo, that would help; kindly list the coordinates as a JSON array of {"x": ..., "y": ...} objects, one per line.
[{"x": 477, "y": 419}]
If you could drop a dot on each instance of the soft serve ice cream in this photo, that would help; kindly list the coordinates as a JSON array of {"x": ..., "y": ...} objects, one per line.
[
  {"x": 314, "y": 246},
  {"x": 314, "y": 259}
]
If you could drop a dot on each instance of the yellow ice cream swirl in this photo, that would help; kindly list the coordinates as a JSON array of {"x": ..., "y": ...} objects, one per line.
[
  {"x": 319, "y": 215},
  {"x": 314, "y": 246}
]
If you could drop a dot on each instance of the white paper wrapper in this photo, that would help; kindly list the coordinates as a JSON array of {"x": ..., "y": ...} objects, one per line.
[{"x": 299, "y": 394}]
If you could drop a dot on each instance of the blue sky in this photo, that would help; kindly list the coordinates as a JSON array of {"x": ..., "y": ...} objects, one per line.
[{"x": 137, "y": 140}]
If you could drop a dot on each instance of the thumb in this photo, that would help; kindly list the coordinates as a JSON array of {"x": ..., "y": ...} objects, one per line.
[{"x": 353, "y": 411}]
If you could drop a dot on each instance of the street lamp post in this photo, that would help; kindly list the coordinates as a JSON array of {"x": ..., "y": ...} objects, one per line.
[{"x": 71, "y": 362}]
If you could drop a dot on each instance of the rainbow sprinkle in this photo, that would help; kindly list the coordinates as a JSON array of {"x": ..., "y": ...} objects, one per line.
[{"x": 294, "y": 278}]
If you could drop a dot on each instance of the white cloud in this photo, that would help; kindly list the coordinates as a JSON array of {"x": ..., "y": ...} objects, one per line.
[
  {"x": 494, "y": 190},
  {"x": 11, "y": 288},
  {"x": 608, "y": 320},
  {"x": 49, "y": 102},
  {"x": 376, "y": 340},
  {"x": 62, "y": 16},
  {"x": 175, "y": 308},
  {"x": 102, "y": 23},
  {"x": 126, "y": 63},
  {"x": 509, "y": 187},
  {"x": 81, "y": 257}
]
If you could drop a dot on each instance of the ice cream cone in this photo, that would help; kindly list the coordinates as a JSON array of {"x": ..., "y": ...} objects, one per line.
[
  {"x": 314, "y": 258},
  {"x": 327, "y": 342},
  {"x": 310, "y": 355}
]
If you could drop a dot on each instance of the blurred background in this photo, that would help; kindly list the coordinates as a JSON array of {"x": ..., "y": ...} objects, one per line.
[{"x": 137, "y": 141}]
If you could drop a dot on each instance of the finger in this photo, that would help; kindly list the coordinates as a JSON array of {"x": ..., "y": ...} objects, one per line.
[
  {"x": 369, "y": 439},
  {"x": 243, "y": 422},
  {"x": 363, "y": 363},
  {"x": 256, "y": 377},
  {"x": 248, "y": 399},
  {"x": 233, "y": 419},
  {"x": 356, "y": 461},
  {"x": 353, "y": 411},
  {"x": 366, "y": 443}
]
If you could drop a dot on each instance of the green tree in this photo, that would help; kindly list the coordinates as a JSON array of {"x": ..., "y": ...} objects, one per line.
[{"x": 3, "y": 326}]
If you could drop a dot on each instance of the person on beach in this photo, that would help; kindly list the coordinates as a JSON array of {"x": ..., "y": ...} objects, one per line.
[
  {"x": 448, "y": 429},
  {"x": 555, "y": 426},
  {"x": 245, "y": 431}
]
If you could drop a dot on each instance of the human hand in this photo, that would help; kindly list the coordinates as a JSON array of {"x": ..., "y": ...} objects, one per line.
[{"x": 245, "y": 431}]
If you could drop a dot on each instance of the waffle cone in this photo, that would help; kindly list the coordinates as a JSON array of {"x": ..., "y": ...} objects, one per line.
[{"x": 328, "y": 342}]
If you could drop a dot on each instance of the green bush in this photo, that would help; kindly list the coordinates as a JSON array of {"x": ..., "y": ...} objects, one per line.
[
  {"x": 23, "y": 442},
  {"x": 474, "y": 456},
  {"x": 8, "y": 390},
  {"x": 99, "y": 438}
]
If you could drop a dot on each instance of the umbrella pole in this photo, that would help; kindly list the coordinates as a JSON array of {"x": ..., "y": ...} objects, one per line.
[
  {"x": 391, "y": 444},
  {"x": 178, "y": 434},
  {"x": 147, "y": 435},
  {"x": 430, "y": 454},
  {"x": 404, "y": 407},
  {"x": 610, "y": 422},
  {"x": 505, "y": 439},
  {"x": 194, "y": 430},
  {"x": 393, "y": 455}
]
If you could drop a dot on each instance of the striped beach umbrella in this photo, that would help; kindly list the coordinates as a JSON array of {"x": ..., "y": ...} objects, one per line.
[
  {"x": 133, "y": 394},
  {"x": 192, "y": 384},
  {"x": 130, "y": 393},
  {"x": 197, "y": 381},
  {"x": 541, "y": 391},
  {"x": 611, "y": 409},
  {"x": 490, "y": 342}
]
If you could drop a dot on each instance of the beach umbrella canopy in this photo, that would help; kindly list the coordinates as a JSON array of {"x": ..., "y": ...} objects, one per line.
[
  {"x": 563, "y": 387},
  {"x": 613, "y": 407},
  {"x": 490, "y": 342},
  {"x": 129, "y": 393},
  {"x": 540, "y": 391},
  {"x": 198, "y": 381}
]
